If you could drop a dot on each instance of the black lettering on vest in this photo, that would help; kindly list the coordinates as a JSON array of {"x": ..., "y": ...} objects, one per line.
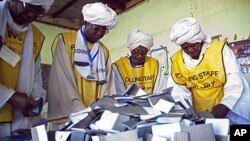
[
  {"x": 178, "y": 75},
  {"x": 192, "y": 78},
  {"x": 139, "y": 79},
  {"x": 12, "y": 35},
  {"x": 206, "y": 85},
  {"x": 213, "y": 82},
  {"x": 201, "y": 75},
  {"x": 149, "y": 88}
]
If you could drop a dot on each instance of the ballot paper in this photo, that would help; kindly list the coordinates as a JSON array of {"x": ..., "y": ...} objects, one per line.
[
  {"x": 150, "y": 137},
  {"x": 130, "y": 135},
  {"x": 168, "y": 119},
  {"x": 112, "y": 121},
  {"x": 39, "y": 133},
  {"x": 5, "y": 94},
  {"x": 200, "y": 132},
  {"x": 166, "y": 130},
  {"x": 134, "y": 90},
  {"x": 62, "y": 135},
  {"x": 220, "y": 126},
  {"x": 181, "y": 136},
  {"x": 77, "y": 136},
  {"x": 78, "y": 116},
  {"x": 9, "y": 56},
  {"x": 164, "y": 106}
]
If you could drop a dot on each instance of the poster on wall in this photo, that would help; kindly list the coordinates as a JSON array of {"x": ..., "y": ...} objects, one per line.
[
  {"x": 241, "y": 50},
  {"x": 161, "y": 54}
]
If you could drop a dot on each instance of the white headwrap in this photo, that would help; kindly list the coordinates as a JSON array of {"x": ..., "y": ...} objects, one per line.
[
  {"x": 187, "y": 30},
  {"x": 137, "y": 37},
  {"x": 44, "y": 3},
  {"x": 99, "y": 14}
]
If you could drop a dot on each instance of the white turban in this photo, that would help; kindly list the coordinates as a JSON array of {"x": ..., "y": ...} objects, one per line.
[
  {"x": 44, "y": 3},
  {"x": 137, "y": 37},
  {"x": 99, "y": 14},
  {"x": 187, "y": 30}
]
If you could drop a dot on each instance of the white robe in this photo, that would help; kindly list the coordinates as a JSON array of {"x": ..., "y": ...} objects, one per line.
[
  {"x": 30, "y": 78},
  {"x": 63, "y": 95},
  {"x": 37, "y": 91}
]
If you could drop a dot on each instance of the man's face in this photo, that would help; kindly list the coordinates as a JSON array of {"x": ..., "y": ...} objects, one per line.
[
  {"x": 24, "y": 13},
  {"x": 94, "y": 32},
  {"x": 192, "y": 49},
  {"x": 139, "y": 54}
]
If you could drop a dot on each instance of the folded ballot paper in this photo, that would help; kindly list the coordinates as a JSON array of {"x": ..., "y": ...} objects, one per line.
[
  {"x": 112, "y": 122},
  {"x": 134, "y": 90}
]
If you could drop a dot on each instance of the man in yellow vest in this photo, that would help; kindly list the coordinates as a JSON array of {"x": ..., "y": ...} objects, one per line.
[
  {"x": 81, "y": 67},
  {"x": 206, "y": 73},
  {"x": 138, "y": 68},
  {"x": 20, "y": 71}
]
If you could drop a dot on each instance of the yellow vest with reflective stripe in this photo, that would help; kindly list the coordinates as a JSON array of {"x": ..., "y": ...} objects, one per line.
[
  {"x": 144, "y": 77},
  {"x": 206, "y": 80},
  {"x": 9, "y": 74},
  {"x": 88, "y": 90}
]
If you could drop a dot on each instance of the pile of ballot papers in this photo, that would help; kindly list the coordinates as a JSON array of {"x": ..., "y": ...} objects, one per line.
[{"x": 136, "y": 116}]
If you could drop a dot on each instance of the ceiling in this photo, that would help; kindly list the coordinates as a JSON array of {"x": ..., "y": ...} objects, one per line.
[{"x": 68, "y": 13}]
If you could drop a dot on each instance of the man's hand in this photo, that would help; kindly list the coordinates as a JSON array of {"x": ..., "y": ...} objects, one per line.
[
  {"x": 1, "y": 42},
  {"x": 30, "y": 113},
  {"x": 21, "y": 101},
  {"x": 36, "y": 110},
  {"x": 220, "y": 111}
]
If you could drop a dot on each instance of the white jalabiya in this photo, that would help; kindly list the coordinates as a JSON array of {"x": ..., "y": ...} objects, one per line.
[
  {"x": 29, "y": 78},
  {"x": 187, "y": 30},
  {"x": 63, "y": 92},
  {"x": 138, "y": 37},
  {"x": 99, "y": 14},
  {"x": 236, "y": 90},
  {"x": 98, "y": 70}
]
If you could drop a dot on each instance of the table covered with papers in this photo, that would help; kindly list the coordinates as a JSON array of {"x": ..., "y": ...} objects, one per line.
[{"x": 154, "y": 117}]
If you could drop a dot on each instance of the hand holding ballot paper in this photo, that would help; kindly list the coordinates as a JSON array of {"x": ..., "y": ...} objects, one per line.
[{"x": 37, "y": 108}]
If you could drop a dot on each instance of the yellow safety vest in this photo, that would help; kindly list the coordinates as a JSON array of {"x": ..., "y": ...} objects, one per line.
[
  {"x": 206, "y": 80},
  {"x": 88, "y": 90},
  {"x": 9, "y": 74},
  {"x": 144, "y": 77}
]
